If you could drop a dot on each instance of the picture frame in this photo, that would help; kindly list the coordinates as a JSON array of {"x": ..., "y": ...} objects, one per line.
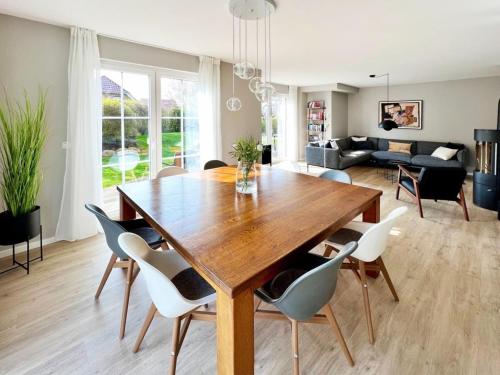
[{"x": 406, "y": 113}]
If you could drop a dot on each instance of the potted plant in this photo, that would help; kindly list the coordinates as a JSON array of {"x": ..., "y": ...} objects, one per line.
[
  {"x": 22, "y": 136},
  {"x": 246, "y": 151}
]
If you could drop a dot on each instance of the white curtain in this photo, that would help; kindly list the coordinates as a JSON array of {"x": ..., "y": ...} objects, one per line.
[
  {"x": 209, "y": 109},
  {"x": 292, "y": 126},
  {"x": 82, "y": 179}
]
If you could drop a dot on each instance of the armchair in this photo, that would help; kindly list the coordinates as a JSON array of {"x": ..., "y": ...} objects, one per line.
[{"x": 436, "y": 183}]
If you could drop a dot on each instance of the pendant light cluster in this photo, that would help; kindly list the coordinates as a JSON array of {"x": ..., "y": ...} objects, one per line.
[{"x": 259, "y": 83}]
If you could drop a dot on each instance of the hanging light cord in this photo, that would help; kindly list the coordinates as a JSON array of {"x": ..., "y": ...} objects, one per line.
[
  {"x": 269, "y": 20},
  {"x": 265, "y": 46},
  {"x": 387, "y": 86},
  {"x": 233, "y": 55}
]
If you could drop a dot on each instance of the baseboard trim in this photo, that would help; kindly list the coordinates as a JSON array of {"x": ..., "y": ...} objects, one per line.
[{"x": 21, "y": 248}]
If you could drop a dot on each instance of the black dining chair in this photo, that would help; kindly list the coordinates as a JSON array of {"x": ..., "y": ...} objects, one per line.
[
  {"x": 211, "y": 164},
  {"x": 438, "y": 183},
  {"x": 113, "y": 229}
]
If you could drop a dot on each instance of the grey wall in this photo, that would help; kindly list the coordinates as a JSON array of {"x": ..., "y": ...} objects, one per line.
[
  {"x": 243, "y": 123},
  {"x": 451, "y": 110},
  {"x": 339, "y": 113},
  {"x": 120, "y": 50},
  {"x": 35, "y": 55}
]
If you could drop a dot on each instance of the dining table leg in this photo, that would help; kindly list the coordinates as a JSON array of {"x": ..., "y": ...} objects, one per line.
[
  {"x": 235, "y": 333},
  {"x": 127, "y": 212},
  {"x": 372, "y": 215}
]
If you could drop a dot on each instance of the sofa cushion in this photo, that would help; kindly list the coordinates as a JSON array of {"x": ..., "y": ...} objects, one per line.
[
  {"x": 360, "y": 154},
  {"x": 431, "y": 161},
  {"x": 391, "y": 156},
  {"x": 343, "y": 143},
  {"x": 374, "y": 142},
  {"x": 383, "y": 144},
  {"x": 427, "y": 148},
  {"x": 362, "y": 145}
]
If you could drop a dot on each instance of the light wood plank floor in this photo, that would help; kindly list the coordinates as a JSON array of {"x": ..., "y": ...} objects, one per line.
[{"x": 446, "y": 271}]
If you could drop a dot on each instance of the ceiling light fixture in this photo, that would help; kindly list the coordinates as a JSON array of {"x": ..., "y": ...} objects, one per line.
[
  {"x": 387, "y": 122},
  {"x": 259, "y": 81}
]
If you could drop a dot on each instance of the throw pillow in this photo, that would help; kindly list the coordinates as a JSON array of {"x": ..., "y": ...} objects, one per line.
[
  {"x": 362, "y": 145},
  {"x": 328, "y": 144},
  {"x": 359, "y": 139},
  {"x": 314, "y": 144},
  {"x": 404, "y": 148},
  {"x": 444, "y": 153}
]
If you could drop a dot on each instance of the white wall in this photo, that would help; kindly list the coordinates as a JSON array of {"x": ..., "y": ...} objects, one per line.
[
  {"x": 451, "y": 110},
  {"x": 35, "y": 55}
]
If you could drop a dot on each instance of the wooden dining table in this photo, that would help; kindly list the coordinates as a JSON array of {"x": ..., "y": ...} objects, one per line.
[{"x": 238, "y": 242}]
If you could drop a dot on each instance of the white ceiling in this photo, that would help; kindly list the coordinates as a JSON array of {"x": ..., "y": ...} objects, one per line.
[{"x": 315, "y": 41}]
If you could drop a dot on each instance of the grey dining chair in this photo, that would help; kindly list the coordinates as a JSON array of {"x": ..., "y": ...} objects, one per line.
[
  {"x": 302, "y": 291},
  {"x": 211, "y": 164},
  {"x": 336, "y": 175},
  {"x": 113, "y": 229}
]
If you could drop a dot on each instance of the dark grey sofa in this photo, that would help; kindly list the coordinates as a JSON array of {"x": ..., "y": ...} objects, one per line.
[{"x": 345, "y": 156}]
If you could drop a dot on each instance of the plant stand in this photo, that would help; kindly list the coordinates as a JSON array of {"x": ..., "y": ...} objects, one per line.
[{"x": 25, "y": 265}]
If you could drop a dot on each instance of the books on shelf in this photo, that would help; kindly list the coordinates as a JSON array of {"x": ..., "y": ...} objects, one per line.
[
  {"x": 316, "y": 104},
  {"x": 317, "y": 116},
  {"x": 316, "y": 128}
]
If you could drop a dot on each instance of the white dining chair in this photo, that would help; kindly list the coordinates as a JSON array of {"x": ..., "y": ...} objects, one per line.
[
  {"x": 372, "y": 242},
  {"x": 176, "y": 289},
  {"x": 171, "y": 171}
]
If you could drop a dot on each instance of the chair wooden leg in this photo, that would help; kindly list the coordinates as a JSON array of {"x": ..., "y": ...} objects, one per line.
[
  {"x": 126, "y": 297},
  {"x": 184, "y": 329},
  {"x": 295, "y": 346},
  {"x": 328, "y": 251},
  {"x": 336, "y": 329},
  {"x": 463, "y": 204},
  {"x": 175, "y": 345},
  {"x": 387, "y": 278},
  {"x": 366, "y": 301},
  {"x": 145, "y": 327},
  {"x": 108, "y": 270},
  {"x": 417, "y": 199}
]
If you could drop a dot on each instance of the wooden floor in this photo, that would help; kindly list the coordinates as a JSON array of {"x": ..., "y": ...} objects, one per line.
[{"x": 446, "y": 271}]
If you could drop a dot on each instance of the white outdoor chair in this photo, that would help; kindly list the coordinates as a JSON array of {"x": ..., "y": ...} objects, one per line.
[
  {"x": 372, "y": 241},
  {"x": 171, "y": 171},
  {"x": 176, "y": 289}
]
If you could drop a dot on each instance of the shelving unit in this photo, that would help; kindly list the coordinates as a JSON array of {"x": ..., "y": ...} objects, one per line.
[{"x": 316, "y": 117}]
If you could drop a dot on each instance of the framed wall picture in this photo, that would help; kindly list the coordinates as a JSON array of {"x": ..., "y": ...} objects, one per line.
[{"x": 406, "y": 113}]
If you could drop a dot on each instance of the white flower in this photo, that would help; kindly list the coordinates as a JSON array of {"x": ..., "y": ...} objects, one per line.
[
  {"x": 234, "y": 145},
  {"x": 259, "y": 147}
]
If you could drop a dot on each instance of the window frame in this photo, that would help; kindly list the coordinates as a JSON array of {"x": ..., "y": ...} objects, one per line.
[{"x": 154, "y": 74}]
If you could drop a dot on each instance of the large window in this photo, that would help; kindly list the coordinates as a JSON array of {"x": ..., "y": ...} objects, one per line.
[
  {"x": 150, "y": 120},
  {"x": 126, "y": 118}
]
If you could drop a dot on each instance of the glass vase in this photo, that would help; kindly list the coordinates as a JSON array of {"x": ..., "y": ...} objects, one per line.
[{"x": 246, "y": 177}]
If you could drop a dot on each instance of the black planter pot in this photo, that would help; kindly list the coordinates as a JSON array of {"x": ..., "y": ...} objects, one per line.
[{"x": 14, "y": 230}]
